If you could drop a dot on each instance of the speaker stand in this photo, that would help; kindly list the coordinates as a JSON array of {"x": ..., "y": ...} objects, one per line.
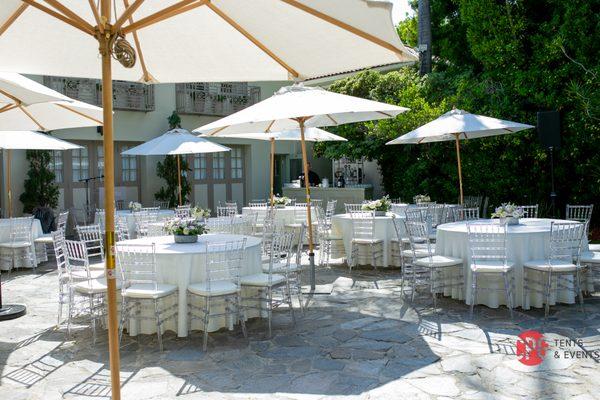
[{"x": 553, "y": 192}]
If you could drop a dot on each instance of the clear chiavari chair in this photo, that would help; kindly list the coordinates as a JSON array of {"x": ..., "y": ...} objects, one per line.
[
  {"x": 19, "y": 250},
  {"x": 156, "y": 229},
  {"x": 142, "y": 218},
  {"x": 363, "y": 236},
  {"x": 91, "y": 235},
  {"x": 265, "y": 220},
  {"x": 270, "y": 283},
  {"x": 258, "y": 204},
  {"x": 316, "y": 203},
  {"x": 579, "y": 213},
  {"x": 561, "y": 269},
  {"x": 466, "y": 213},
  {"x": 530, "y": 211},
  {"x": 100, "y": 217},
  {"x": 122, "y": 229},
  {"x": 220, "y": 224},
  {"x": 183, "y": 212},
  {"x": 325, "y": 236},
  {"x": 140, "y": 287},
  {"x": 221, "y": 290},
  {"x": 119, "y": 204},
  {"x": 161, "y": 205},
  {"x": 247, "y": 223},
  {"x": 488, "y": 251},
  {"x": 226, "y": 211},
  {"x": 65, "y": 279},
  {"x": 293, "y": 272},
  {"x": 437, "y": 272},
  {"x": 472, "y": 201},
  {"x": 45, "y": 242},
  {"x": 436, "y": 213}
]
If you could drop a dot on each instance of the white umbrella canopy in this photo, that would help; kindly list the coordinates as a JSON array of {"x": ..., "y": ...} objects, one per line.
[
  {"x": 301, "y": 107},
  {"x": 456, "y": 125},
  {"x": 216, "y": 40},
  {"x": 175, "y": 142},
  {"x": 29, "y": 140},
  {"x": 28, "y": 105}
]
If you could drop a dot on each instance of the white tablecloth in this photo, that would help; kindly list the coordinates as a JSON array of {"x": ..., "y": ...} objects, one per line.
[
  {"x": 162, "y": 215},
  {"x": 341, "y": 226},
  {"x": 36, "y": 232},
  {"x": 285, "y": 215},
  {"x": 527, "y": 241},
  {"x": 181, "y": 264}
]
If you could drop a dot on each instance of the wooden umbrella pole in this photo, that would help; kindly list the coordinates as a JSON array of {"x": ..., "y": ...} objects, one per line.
[
  {"x": 272, "y": 167},
  {"x": 457, "y": 137},
  {"x": 179, "y": 179},
  {"x": 8, "y": 182},
  {"x": 311, "y": 253},
  {"x": 109, "y": 204}
]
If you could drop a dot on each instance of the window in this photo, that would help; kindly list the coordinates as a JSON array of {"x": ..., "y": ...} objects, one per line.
[
  {"x": 80, "y": 163},
  {"x": 56, "y": 165},
  {"x": 100, "y": 153},
  {"x": 199, "y": 166},
  {"x": 128, "y": 167},
  {"x": 218, "y": 165},
  {"x": 237, "y": 162}
]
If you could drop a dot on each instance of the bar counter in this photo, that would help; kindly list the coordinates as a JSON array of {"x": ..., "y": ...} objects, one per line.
[{"x": 354, "y": 195}]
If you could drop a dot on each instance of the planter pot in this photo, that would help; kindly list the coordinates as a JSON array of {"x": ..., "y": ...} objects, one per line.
[
  {"x": 380, "y": 213},
  {"x": 185, "y": 238},
  {"x": 512, "y": 221},
  {"x": 279, "y": 205}
]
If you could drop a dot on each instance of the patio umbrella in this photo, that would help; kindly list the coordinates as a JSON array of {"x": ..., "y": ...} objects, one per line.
[
  {"x": 176, "y": 142},
  {"x": 456, "y": 125},
  {"x": 188, "y": 41},
  {"x": 24, "y": 140},
  {"x": 310, "y": 135},
  {"x": 300, "y": 107}
]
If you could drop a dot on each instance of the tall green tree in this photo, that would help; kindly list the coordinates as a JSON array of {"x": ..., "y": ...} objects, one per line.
[{"x": 40, "y": 190}]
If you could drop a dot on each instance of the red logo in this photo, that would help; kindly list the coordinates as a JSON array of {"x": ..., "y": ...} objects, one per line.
[{"x": 531, "y": 348}]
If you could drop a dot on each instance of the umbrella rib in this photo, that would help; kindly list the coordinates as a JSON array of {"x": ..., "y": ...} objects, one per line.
[
  {"x": 386, "y": 114},
  {"x": 251, "y": 38},
  {"x": 31, "y": 118},
  {"x": 127, "y": 14},
  {"x": 8, "y": 107},
  {"x": 331, "y": 118},
  {"x": 269, "y": 127},
  {"x": 165, "y": 13},
  {"x": 345, "y": 26},
  {"x": 146, "y": 77},
  {"x": 78, "y": 113},
  {"x": 10, "y": 96},
  {"x": 13, "y": 18},
  {"x": 69, "y": 14},
  {"x": 96, "y": 16},
  {"x": 60, "y": 16}
]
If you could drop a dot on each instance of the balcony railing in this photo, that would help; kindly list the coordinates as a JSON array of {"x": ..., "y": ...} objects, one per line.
[
  {"x": 130, "y": 96},
  {"x": 220, "y": 99}
]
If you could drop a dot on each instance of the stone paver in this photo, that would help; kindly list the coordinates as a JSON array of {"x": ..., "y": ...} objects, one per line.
[{"x": 361, "y": 342}]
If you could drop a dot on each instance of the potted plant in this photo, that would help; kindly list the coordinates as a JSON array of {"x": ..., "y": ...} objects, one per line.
[
  {"x": 134, "y": 206},
  {"x": 421, "y": 199},
  {"x": 185, "y": 230},
  {"x": 280, "y": 202},
  {"x": 199, "y": 213},
  {"x": 380, "y": 207},
  {"x": 508, "y": 213}
]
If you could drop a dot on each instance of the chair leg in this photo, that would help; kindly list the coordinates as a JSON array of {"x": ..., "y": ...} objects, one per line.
[
  {"x": 547, "y": 288},
  {"x": 473, "y": 292},
  {"x": 432, "y": 272},
  {"x": 92, "y": 318},
  {"x": 508, "y": 294},
  {"x": 124, "y": 315},
  {"x": 269, "y": 309},
  {"x": 70, "y": 311},
  {"x": 241, "y": 315},
  {"x": 414, "y": 282},
  {"x": 158, "y": 324},
  {"x": 205, "y": 322},
  {"x": 578, "y": 288}
]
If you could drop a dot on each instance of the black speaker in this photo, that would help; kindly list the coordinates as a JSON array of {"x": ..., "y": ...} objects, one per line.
[
  {"x": 100, "y": 130},
  {"x": 548, "y": 127}
]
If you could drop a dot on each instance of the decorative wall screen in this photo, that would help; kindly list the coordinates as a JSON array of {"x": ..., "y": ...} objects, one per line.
[
  {"x": 131, "y": 96},
  {"x": 220, "y": 99}
]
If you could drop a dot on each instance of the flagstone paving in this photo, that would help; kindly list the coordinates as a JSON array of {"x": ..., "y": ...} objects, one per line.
[{"x": 362, "y": 341}]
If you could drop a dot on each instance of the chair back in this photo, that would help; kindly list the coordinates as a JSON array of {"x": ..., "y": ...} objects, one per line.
[
  {"x": 436, "y": 214},
  {"x": 258, "y": 204},
  {"x": 63, "y": 218},
  {"x": 487, "y": 242},
  {"x": 530, "y": 211},
  {"x": 298, "y": 243},
  {"x": 160, "y": 204},
  {"x": 316, "y": 203},
  {"x": 246, "y": 226},
  {"x": 156, "y": 229},
  {"x": 398, "y": 227},
  {"x": 565, "y": 240},
  {"x": 119, "y": 204},
  {"x": 122, "y": 229},
  {"x": 363, "y": 224},
  {"x": 77, "y": 257},
  {"x": 472, "y": 201},
  {"x": 183, "y": 212},
  {"x": 91, "y": 235},
  {"x": 20, "y": 229},
  {"x": 100, "y": 217},
  {"x": 466, "y": 213},
  {"x": 330, "y": 210},
  {"x": 137, "y": 263},
  {"x": 223, "y": 261},
  {"x": 580, "y": 213},
  {"x": 143, "y": 218},
  {"x": 60, "y": 254},
  {"x": 220, "y": 224},
  {"x": 418, "y": 236},
  {"x": 280, "y": 250},
  {"x": 227, "y": 211},
  {"x": 416, "y": 214},
  {"x": 300, "y": 213}
]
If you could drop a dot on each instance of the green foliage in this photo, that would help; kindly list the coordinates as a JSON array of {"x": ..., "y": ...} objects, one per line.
[
  {"x": 40, "y": 190},
  {"x": 505, "y": 59},
  {"x": 408, "y": 31},
  {"x": 167, "y": 170}
]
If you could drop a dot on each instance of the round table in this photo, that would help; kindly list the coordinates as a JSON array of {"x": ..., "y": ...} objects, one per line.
[
  {"x": 184, "y": 263},
  {"x": 36, "y": 232},
  {"x": 283, "y": 215},
  {"x": 341, "y": 226},
  {"x": 128, "y": 215},
  {"x": 526, "y": 241}
]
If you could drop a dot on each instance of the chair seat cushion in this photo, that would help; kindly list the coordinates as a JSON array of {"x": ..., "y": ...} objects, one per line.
[
  {"x": 554, "y": 265},
  {"x": 217, "y": 288},
  {"x": 491, "y": 266},
  {"x": 81, "y": 274},
  {"x": 97, "y": 266},
  {"x": 45, "y": 239},
  {"x": 15, "y": 245},
  {"x": 366, "y": 241},
  {"x": 590, "y": 257},
  {"x": 280, "y": 267},
  {"x": 93, "y": 286},
  {"x": 261, "y": 280},
  {"x": 419, "y": 253},
  {"x": 149, "y": 291},
  {"x": 594, "y": 247},
  {"x": 438, "y": 261}
]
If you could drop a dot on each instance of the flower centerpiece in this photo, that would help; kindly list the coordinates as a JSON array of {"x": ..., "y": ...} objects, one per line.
[
  {"x": 422, "y": 198},
  {"x": 380, "y": 206},
  {"x": 281, "y": 202},
  {"x": 199, "y": 213},
  {"x": 509, "y": 213},
  {"x": 185, "y": 230},
  {"x": 134, "y": 206}
]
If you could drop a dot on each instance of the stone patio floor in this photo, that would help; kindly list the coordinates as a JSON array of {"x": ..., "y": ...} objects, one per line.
[{"x": 362, "y": 341}]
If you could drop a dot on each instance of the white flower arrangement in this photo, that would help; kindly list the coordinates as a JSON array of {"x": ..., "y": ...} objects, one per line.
[
  {"x": 199, "y": 213},
  {"x": 384, "y": 204},
  {"x": 508, "y": 210},
  {"x": 185, "y": 227},
  {"x": 422, "y": 198},
  {"x": 135, "y": 206},
  {"x": 281, "y": 201}
]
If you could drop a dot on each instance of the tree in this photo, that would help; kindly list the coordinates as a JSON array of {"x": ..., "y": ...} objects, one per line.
[
  {"x": 424, "y": 28},
  {"x": 167, "y": 170},
  {"x": 40, "y": 190}
]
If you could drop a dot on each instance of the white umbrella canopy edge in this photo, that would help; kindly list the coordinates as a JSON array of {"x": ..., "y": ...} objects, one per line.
[
  {"x": 15, "y": 88},
  {"x": 267, "y": 48}
]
